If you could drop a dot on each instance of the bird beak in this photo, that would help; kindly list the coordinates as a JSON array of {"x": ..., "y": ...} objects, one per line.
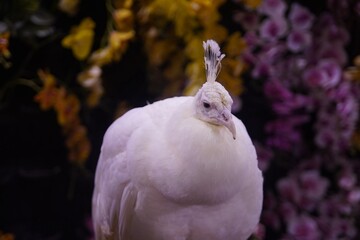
[{"x": 227, "y": 121}]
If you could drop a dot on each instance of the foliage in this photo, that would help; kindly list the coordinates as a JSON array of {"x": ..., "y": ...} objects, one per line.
[{"x": 300, "y": 61}]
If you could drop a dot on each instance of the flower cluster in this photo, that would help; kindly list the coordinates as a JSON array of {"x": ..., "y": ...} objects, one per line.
[
  {"x": 6, "y": 236},
  {"x": 299, "y": 60},
  {"x": 67, "y": 107},
  {"x": 4, "y": 48}
]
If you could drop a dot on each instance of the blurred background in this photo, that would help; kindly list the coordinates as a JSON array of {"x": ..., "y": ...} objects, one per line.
[{"x": 68, "y": 68}]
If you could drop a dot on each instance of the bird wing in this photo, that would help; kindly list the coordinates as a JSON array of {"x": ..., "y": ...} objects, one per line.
[{"x": 114, "y": 195}]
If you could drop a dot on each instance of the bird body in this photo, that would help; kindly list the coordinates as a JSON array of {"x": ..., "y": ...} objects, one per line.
[{"x": 165, "y": 173}]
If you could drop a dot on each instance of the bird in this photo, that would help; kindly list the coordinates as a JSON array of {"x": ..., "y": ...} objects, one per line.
[{"x": 182, "y": 168}]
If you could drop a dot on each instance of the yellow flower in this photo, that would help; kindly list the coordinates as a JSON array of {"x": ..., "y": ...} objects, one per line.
[
  {"x": 77, "y": 143},
  {"x": 69, "y": 6},
  {"x": 235, "y": 45},
  {"x": 48, "y": 94},
  {"x": 90, "y": 79},
  {"x": 356, "y": 140},
  {"x": 122, "y": 3},
  {"x": 4, "y": 44},
  {"x": 176, "y": 12},
  {"x": 216, "y": 32},
  {"x": 209, "y": 15},
  {"x": 199, "y": 4},
  {"x": 90, "y": 76},
  {"x": 160, "y": 50},
  {"x": 118, "y": 43},
  {"x": 67, "y": 107},
  {"x": 174, "y": 74},
  {"x": 230, "y": 75},
  {"x": 101, "y": 56},
  {"x": 353, "y": 72},
  {"x": 196, "y": 73},
  {"x": 194, "y": 49},
  {"x": 80, "y": 39},
  {"x": 95, "y": 95},
  {"x": 252, "y": 3},
  {"x": 80, "y": 151},
  {"x": 123, "y": 19},
  {"x": 6, "y": 236}
]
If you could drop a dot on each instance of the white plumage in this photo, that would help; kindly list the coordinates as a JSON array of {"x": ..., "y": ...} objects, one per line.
[{"x": 183, "y": 168}]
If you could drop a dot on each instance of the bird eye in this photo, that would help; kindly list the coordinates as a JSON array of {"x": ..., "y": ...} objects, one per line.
[{"x": 206, "y": 105}]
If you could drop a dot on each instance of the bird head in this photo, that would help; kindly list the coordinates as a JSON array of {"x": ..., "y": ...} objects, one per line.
[{"x": 213, "y": 102}]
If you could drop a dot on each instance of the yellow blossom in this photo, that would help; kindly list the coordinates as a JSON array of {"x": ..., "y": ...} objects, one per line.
[
  {"x": 353, "y": 72},
  {"x": 4, "y": 44},
  {"x": 90, "y": 79},
  {"x": 194, "y": 49},
  {"x": 210, "y": 15},
  {"x": 235, "y": 45},
  {"x": 69, "y": 6},
  {"x": 200, "y": 4},
  {"x": 174, "y": 74},
  {"x": 160, "y": 50},
  {"x": 90, "y": 76},
  {"x": 176, "y": 12},
  {"x": 123, "y": 19},
  {"x": 121, "y": 109},
  {"x": 6, "y": 236},
  {"x": 196, "y": 73},
  {"x": 95, "y": 95},
  {"x": 101, "y": 56},
  {"x": 77, "y": 143},
  {"x": 356, "y": 140},
  {"x": 67, "y": 107},
  {"x": 252, "y": 3},
  {"x": 118, "y": 42},
  {"x": 230, "y": 75},
  {"x": 122, "y": 4},
  {"x": 47, "y": 96},
  {"x": 80, "y": 151},
  {"x": 80, "y": 39},
  {"x": 215, "y": 32}
]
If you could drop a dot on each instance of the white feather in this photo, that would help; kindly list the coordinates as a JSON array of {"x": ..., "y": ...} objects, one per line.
[{"x": 212, "y": 59}]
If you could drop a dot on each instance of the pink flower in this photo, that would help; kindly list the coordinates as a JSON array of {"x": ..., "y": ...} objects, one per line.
[
  {"x": 300, "y": 17},
  {"x": 354, "y": 196},
  {"x": 249, "y": 20},
  {"x": 298, "y": 40},
  {"x": 264, "y": 156},
  {"x": 270, "y": 219},
  {"x": 287, "y": 211},
  {"x": 332, "y": 51},
  {"x": 336, "y": 34},
  {"x": 313, "y": 186},
  {"x": 289, "y": 189},
  {"x": 273, "y": 29},
  {"x": 275, "y": 90},
  {"x": 304, "y": 228},
  {"x": 273, "y": 7},
  {"x": 326, "y": 74},
  {"x": 260, "y": 231},
  {"x": 347, "y": 180},
  {"x": 262, "y": 69}
]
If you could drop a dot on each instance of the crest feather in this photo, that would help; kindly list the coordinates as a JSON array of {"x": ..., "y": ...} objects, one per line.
[{"x": 212, "y": 59}]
